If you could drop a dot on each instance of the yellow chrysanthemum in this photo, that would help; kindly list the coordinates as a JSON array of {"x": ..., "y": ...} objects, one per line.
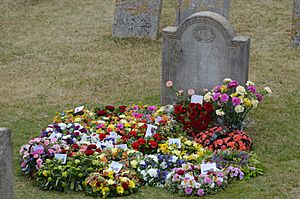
[
  {"x": 120, "y": 189},
  {"x": 105, "y": 191},
  {"x": 131, "y": 184},
  {"x": 111, "y": 174}
]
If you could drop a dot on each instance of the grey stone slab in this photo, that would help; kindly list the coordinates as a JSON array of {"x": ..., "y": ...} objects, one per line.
[
  {"x": 6, "y": 165},
  {"x": 296, "y": 24},
  {"x": 186, "y": 8},
  {"x": 136, "y": 18},
  {"x": 201, "y": 52}
]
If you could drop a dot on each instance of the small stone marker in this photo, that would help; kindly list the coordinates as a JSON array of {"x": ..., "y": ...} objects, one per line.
[
  {"x": 296, "y": 24},
  {"x": 136, "y": 18},
  {"x": 6, "y": 165},
  {"x": 186, "y": 8},
  {"x": 201, "y": 52}
]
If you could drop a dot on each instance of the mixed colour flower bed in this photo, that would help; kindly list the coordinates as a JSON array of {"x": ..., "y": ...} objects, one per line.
[{"x": 195, "y": 146}]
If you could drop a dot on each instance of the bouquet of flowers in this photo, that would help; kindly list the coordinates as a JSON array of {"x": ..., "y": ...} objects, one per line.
[
  {"x": 233, "y": 102},
  {"x": 188, "y": 180},
  {"x": 153, "y": 169}
]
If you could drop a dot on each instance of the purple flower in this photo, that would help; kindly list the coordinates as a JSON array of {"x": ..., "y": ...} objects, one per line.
[
  {"x": 100, "y": 126},
  {"x": 188, "y": 190},
  {"x": 207, "y": 180},
  {"x": 216, "y": 96},
  {"x": 224, "y": 98},
  {"x": 236, "y": 101},
  {"x": 219, "y": 183},
  {"x": 120, "y": 125},
  {"x": 252, "y": 89},
  {"x": 151, "y": 108},
  {"x": 200, "y": 192},
  {"x": 259, "y": 97},
  {"x": 233, "y": 83},
  {"x": 217, "y": 89}
]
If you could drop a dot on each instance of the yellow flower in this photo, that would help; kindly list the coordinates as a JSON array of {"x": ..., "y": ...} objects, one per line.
[
  {"x": 188, "y": 142},
  {"x": 247, "y": 102},
  {"x": 45, "y": 173},
  {"x": 164, "y": 148},
  {"x": 120, "y": 189},
  {"x": 78, "y": 119},
  {"x": 131, "y": 184},
  {"x": 111, "y": 174},
  {"x": 176, "y": 152},
  {"x": 110, "y": 182},
  {"x": 234, "y": 95},
  {"x": 133, "y": 163},
  {"x": 224, "y": 89},
  {"x": 105, "y": 191},
  {"x": 111, "y": 126}
]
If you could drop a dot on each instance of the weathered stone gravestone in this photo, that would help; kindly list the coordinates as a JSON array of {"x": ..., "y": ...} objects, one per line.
[
  {"x": 186, "y": 8},
  {"x": 202, "y": 52},
  {"x": 296, "y": 24},
  {"x": 6, "y": 165},
  {"x": 136, "y": 18}
]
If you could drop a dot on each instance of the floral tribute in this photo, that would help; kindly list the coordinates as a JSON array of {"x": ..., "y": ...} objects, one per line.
[{"x": 191, "y": 147}]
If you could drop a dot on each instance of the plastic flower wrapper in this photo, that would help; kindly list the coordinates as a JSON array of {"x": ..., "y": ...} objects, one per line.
[
  {"x": 188, "y": 180},
  {"x": 233, "y": 102},
  {"x": 153, "y": 169},
  {"x": 190, "y": 150}
]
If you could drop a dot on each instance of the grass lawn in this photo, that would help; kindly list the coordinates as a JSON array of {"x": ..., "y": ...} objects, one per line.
[{"x": 58, "y": 54}]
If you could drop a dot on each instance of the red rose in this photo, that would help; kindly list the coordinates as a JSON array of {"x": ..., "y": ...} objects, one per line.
[
  {"x": 180, "y": 172},
  {"x": 102, "y": 136},
  {"x": 75, "y": 146},
  {"x": 135, "y": 146},
  {"x": 153, "y": 144},
  {"x": 110, "y": 108},
  {"x": 89, "y": 152},
  {"x": 141, "y": 141},
  {"x": 192, "y": 106},
  {"x": 208, "y": 107},
  {"x": 178, "y": 109},
  {"x": 101, "y": 112},
  {"x": 133, "y": 133}
]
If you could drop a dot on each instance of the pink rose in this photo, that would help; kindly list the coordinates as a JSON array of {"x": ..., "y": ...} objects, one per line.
[{"x": 169, "y": 84}]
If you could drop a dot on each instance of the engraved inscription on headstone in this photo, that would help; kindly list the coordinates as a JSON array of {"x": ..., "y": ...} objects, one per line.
[
  {"x": 296, "y": 24},
  {"x": 136, "y": 18},
  {"x": 202, "y": 52},
  {"x": 186, "y": 8}
]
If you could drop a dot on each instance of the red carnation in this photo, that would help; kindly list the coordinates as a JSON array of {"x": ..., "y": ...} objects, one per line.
[
  {"x": 133, "y": 133},
  {"x": 208, "y": 107},
  {"x": 141, "y": 141},
  {"x": 75, "y": 146},
  {"x": 89, "y": 152},
  {"x": 101, "y": 112},
  {"x": 110, "y": 108},
  {"x": 180, "y": 172},
  {"x": 122, "y": 108},
  {"x": 135, "y": 146},
  {"x": 102, "y": 136},
  {"x": 178, "y": 109},
  {"x": 156, "y": 136}
]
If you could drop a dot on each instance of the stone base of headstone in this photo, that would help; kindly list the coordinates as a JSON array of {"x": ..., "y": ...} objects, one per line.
[
  {"x": 6, "y": 165},
  {"x": 296, "y": 24}
]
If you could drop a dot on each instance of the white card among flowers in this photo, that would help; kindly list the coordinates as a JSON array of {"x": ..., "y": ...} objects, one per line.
[
  {"x": 115, "y": 166},
  {"x": 197, "y": 99},
  {"x": 62, "y": 157},
  {"x": 175, "y": 141},
  {"x": 151, "y": 130},
  {"x": 205, "y": 167}
]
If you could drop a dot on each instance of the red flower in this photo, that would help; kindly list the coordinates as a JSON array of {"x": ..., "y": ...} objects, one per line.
[
  {"x": 125, "y": 185},
  {"x": 101, "y": 112},
  {"x": 91, "y": 146},
  {"x": 135, "y": 146},
  {"x": 89, "y": 152},
  {"x": 75, "y": 146},
  {"x": 156, "y": 136},
  {"x": 208, "y": 107},
  {"x": 102, "y": 136},
  {"x": 110, "y": 108},
  {"x": 141, "y": 141},
  {"x": 122, "y": 109},
  {"x": 133, "y": 133},
  {"x": 180, "y": 172},
  {"x": 153, "y": 144},
  {"x": 178, "y": 109}
]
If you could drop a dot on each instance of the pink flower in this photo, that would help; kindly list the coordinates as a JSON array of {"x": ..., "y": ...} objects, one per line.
[
  {"x": 207, "y": 180},
  {"x": 46, "y": 142},
  {"x": 224, "y": 98},
  {"x": 39, "y": 161},
  {"x": 169, "y": 84},
  {"x": 191, "y": 91},
  {"x": 200, "y": 192},
  {"x": 233, "y": 83},
  {"x": 23, "y": 164},
  {"x": 35, "y": 156},
  {"x": 252, "y": 89},
  {"x": 236, "y": 101},
  {"x": 216, "y": 96},
  {"x": 188, "y": 190}
]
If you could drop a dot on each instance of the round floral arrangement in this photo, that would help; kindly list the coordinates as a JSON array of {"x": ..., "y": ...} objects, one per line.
[{"x": 111, "y": 151}]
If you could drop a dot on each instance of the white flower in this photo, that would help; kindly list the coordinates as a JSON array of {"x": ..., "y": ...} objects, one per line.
[
  {"x": 227, "y": 80},
  {"x": 240, "y": 90},
  {"x": 163, "y": 165},
  {"x": 62, "y": 126},
  {"x": 268, "y": 90},
  {"x": 143, "y": 172},
  {"x": 254, "y": 103},
  {"x": 239, "y": 109},
  {"x": 220, "y": 112},
  {"x": 49, "y": 129},
  {"x": 152, "y": 172},
  {"x": 154, "y": 157},
  {"x": 174, "y": 158},
  {"x": 249, "y": 83},
  {"x": 212, "y": 185},
  {"x": 208, "y": 97}
]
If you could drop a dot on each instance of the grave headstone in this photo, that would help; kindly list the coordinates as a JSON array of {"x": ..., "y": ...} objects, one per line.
[
  {"x": 136, "y": 18},
  {"x": 6, "y": 165},
  {"x": 296, "y": 24},
  {"x": 201, "y": 52},
  {"x": 186, "y": 8}
]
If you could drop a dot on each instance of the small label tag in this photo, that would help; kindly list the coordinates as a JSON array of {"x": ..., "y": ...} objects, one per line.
[
  {"x": 197, "y": 99},
  {"x": 78, "y": 109},
  {"x": 208, "y": 167},
  {"x": 175, "y": 141},
  {"x": 62, "y": 157},
  {"x": 115, "y": 166},
  {"x": 151, "y": 130},
  {"x": 121, "y": 146}
]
